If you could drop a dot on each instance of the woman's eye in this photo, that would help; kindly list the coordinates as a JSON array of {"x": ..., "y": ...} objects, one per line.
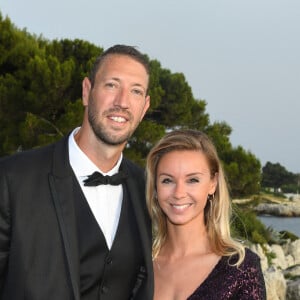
[
  {"x": 193, "y": 180},
  {"x": 166, "y": 180}
]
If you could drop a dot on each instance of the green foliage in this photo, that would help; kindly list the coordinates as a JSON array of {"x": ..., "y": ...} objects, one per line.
[
  {"x": 171, "y": 110},
  {"x": 156, "y": 91},
  {"x": 81, "y": 53},
  {"x": 72, "y": 117},
  {"x": 270, "y": 256},
  {"x": 246, "y": 226},
  {"x": 40, "y": 91},
  {"x": 290, "y": 188},
  {"x": 172, "y": 101},
  {"x": 286, "y": 235},
  {"x": 276, "y": 176},
  {"x": 219, "y": 132},
  {"x": 142, "y": 141},
  {"x": 39, "y": 84},
  {"x": 243, "y": 171},
  {"x": 242, "y": 168},
  {"x": 35, "y": 130},
  {"x": 290, "y": 275}
]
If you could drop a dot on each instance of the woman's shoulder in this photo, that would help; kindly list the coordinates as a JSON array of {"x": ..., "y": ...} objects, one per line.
[
  {"x": 233, "y": 281},
  {"x": 250, "y": 258}
]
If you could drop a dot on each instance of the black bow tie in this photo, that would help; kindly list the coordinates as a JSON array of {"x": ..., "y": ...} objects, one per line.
[{"x": 97, "y": 178}]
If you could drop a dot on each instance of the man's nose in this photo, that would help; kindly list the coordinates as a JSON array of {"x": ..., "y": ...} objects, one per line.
[{"x": 122, "y": 98}]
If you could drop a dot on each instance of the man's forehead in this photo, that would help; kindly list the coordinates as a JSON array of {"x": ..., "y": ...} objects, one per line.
[{"x": 113, "y": 68}]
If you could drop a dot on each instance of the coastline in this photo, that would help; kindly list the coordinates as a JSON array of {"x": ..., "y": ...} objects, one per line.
[
  {"x": 273, "y": 206},
  {"x": 285, "y": 209},
  {"x": 279, "y": 223},
  {"x": 280, "y": 258},
  {"x": 281, "y": 269}
]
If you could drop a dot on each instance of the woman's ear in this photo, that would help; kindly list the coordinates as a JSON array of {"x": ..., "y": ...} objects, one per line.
[{"x": 214, "y": 183}]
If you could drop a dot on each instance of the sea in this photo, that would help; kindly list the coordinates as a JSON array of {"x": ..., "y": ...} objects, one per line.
[{"x": 291, "y": 224}]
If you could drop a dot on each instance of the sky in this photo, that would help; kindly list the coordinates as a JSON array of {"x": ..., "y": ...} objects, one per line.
[{"x": 242, "y": 57}]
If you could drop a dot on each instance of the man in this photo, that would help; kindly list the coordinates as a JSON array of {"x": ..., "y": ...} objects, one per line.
[{"x": 63, "y": 234}]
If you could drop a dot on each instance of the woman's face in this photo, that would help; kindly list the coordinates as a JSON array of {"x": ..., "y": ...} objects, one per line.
[{"x": 183, "y": 184}]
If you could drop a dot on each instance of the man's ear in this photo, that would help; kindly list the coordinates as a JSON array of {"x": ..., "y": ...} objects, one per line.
[
  {"x": 86, "y": 89},
  {"x": 146, "y": 107}
]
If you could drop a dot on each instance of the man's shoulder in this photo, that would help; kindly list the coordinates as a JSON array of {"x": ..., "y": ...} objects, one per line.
[
  {"x": 29, "y": 157},
  {"x": 132, "y": 167}
]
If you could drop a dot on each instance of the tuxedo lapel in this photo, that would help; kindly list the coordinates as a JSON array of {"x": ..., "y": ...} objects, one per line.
[
  {"x": 136, "y": 190},
  {"x": 137, "y": 198},
  {"x": 61, "y": 185}
]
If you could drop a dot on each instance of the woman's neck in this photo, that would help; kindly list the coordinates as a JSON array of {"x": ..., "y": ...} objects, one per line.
[{"x": 184, "y": 241}]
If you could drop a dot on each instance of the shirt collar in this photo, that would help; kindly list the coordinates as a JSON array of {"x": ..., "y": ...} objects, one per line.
[{"x": 81, "y": 164}]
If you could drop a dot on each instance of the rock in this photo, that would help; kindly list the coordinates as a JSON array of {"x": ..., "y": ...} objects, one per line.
[
  {"x": 282, "y": 276},
  {"x": 294, "y": 251},
  {"x": 293, "y": 290},
  {"x": 286, "y": 247},
  {"x": 279, "y": 260},
  {"x": 290, "y": 261},
  {"x": 292, "y": 271},
  {"x": 284, "y": 210},
  {"x": 275, "y": 284}
]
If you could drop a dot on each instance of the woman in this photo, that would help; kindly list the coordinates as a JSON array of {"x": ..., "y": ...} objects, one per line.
[{"x": 194, "y": 255}]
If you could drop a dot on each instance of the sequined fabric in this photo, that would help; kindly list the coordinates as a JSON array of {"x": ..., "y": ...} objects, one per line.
[{"x": 228, "y": 282}]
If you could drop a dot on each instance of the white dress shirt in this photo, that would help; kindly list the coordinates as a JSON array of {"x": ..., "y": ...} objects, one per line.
[{"x": 105, "y": 201}]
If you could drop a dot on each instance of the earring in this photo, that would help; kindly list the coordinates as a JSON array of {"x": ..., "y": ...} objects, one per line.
[{"x": 210, "y": 199}]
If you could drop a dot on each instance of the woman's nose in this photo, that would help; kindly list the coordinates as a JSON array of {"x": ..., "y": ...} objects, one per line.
[{"x": 179, "y": 190}]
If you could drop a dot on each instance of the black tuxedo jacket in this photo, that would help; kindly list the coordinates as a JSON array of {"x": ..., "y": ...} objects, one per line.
[{"x": 39, "y": 257}]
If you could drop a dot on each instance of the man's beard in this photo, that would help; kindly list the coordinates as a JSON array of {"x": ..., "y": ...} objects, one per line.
[{"x": 100, "y": 130}]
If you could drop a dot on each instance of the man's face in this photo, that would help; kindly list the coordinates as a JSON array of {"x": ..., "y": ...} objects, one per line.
[{"x": 118, "y": 101}]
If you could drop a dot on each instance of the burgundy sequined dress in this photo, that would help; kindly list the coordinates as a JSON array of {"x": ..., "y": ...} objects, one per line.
[{"x": 228, "y": 282}]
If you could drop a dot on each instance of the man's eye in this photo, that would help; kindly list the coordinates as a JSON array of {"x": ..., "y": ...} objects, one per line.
[
  {"x": 110, "y": 84},
  {"x": 138, "y": 92}
]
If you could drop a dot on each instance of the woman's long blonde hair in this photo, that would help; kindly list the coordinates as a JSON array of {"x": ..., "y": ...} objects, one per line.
[{"x": 217, "y": 212}]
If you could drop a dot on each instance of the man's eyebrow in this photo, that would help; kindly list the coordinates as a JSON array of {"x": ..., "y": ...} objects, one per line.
[
  {"x": 112, "y": 78},
  {"x": 120, "y": 80},
  {"x": 139, "y": 84}
]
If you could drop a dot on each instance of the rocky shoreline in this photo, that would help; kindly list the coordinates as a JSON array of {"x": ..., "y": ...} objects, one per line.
[
  {"x": 285, "y": 209},
  {"x": 280, "y": 263},
  {"x": 274, "y": 206},
  {"x": 282, "y": 272}
]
